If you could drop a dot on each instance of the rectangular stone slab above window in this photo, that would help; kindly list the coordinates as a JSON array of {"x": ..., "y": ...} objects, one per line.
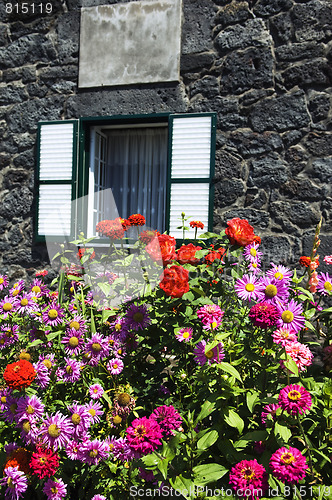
[{"x": 130, "y": 43}]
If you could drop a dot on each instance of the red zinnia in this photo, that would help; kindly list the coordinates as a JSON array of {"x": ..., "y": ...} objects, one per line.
[
  {"x": 304, "y": 261},
  {"x": 239, "y": 232},
  {"x": 196, "y": 223},
  {"x": 44, "y": 462},
  {"x": 175, "y": 281},
  {"x": 136, "y": 220},
  {"x": 111, "y": 229},
  {"x": 186, "y": 254},
  {"x": 19, "y": 374}
]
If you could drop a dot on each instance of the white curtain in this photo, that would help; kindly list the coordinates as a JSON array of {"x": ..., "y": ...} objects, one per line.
[{"x": 137, "y": 172}]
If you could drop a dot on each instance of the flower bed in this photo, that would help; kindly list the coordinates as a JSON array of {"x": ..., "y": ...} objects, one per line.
[{"x": 204, "y": 386}]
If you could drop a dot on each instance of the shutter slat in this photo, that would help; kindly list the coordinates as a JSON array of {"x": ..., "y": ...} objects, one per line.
[
  {"x": 193, "y": 200},
  {"x": 55, "y": 210},
  {"x": 56, "y": 147}
]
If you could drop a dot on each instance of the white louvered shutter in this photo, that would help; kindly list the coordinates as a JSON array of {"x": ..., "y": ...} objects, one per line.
[
  {"x": 57, "y": 148},
  {"x": 192, "y": 169}
]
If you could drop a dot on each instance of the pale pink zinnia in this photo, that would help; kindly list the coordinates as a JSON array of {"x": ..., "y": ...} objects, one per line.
[
  {"x": 283, "y": 336},
  {"x": 299, "y": 353},
  {"x": 211, "y": 316}
]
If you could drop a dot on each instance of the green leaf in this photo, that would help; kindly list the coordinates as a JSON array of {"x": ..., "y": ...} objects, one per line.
[
  {"x": 105, "y": 288},
  {"x": 234, "y": 420},
  {"x": 252, "y": 399},
  {"x": 209, "y": 235},
  {"x": 282, "y": 433},
  {"x": 226, "y": 367},
  {"x": 206, "y": 410},
  {"x": 162, "y": 466},
  {"x": 207, "y": 440},
  {"x": 151, "y": 460},
  {"x": 208, "y": 473},
  {"x": 184, "y": 486}
]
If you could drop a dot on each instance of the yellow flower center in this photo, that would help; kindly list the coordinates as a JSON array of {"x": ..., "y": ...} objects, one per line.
[
  {"x": 213, "y": 324},
  {"x": 10, "y": 483},
  {"x": 294, "y": 395},
  {"x": 15, "y": 292},
  {"x": 118, "y": 327},
  {"x": 3, "y": 399},
  {"x": 2, "y": 341},
  {"x": 278, "y": 275},
  {"x": 93, "y": 453},
  {"x": 47, "y": 363},
  {"x": 13, "y": 408},
  {"x": 69, "y": 369},
  {"x": 36, "y": 289},
  {"x": 30, "y": 410},
  {"x": 209, "y": 354},
  {"x": 140, "y": 431},
  {"x": 287, "y": 316},
  {"x": 7, "y": 306},
  {"x": 117, "y": 420},
  {"x": 75, "y": 418},
  {"x": 185, "y": 335},
  {"x": 92, "y": 412},
  {"x": 115, "y": 366},
  {"x": 53, "y": 313},
  {"x": 26, "y": 426},
  {"x": 271, "y": 291},
  {"x": 25, "y": 355},
  {"x": 96, "y": 347},
  {"x": 138, "y": 317},
  {"x": 24, "y": 302},
  {"x": 54, "y": 489},
  {"x": 75, "y": 325},
  {"x": 1, "y": 281},
  {"x": 253, "y": 252},
  {"x": 287, "y": 458},
  {"x": 54, "y": 431},
  {"x": 250, "y": 287},
  {"x": 123, "y": 399},
  {"x": 328, "y": 286},
  {"x": 73, "y": 341},
  {"x": 254, "y": 264},
  {"x": 248, "y": 474}
]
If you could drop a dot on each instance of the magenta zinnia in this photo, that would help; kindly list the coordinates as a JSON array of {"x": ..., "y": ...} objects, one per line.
[
  {"x": 44, "y": 462},
  {"x": 288, "y": 465},
  {"x": 211, "y": 316},
  {"x": 294, "y": 399},
  {"x": 264, "y": 315},
  {"x": 168, "y": 419},
  {"x": 248, "y": 479},
  {"x": 144, "y": 435}
]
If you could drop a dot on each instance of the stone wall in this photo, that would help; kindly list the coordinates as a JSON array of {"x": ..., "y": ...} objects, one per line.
[{"x": 263, "y": 65}]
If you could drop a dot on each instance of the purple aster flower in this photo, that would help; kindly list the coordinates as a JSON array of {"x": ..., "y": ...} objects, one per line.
[
  {"x": 273, "y": 290},
  {"x": 29, "y": 431},
  {"x": 95, "y": 410},
  {"x": 214, "y": 355},
  {"x": 92, "y": 452},
  {"x": 72, "y": 448},
  {"x": 119, "y": 328},
  {"x": 17, "y": 288},
  {"x": 3, "y": 281},
  {"x": 42, "y": 374},
  {"x": 96, "y": 391},
  {"x": 115, "y": 366},
  {"x": 53, "y": 315},
  {"x": 25, "y": 304},
  {"x": 38, "y": 288},
  {"x": 7, "y": 306},
  {"x": 10, "y": 447},
  {"x": 73, "y": 342},
  {"x": 254, "y": 266},
  {"x": 264, "y": 315},
  {"x": 280, "y": 272},
  {"x": 291, "y": 316},
  {"x": 98, "y": 497},
  {"x": 251, "y": 252},
  {"x": 211, "y": 316},
  {"x": 56, "y": 431},
  {"x": 248, "y": 287},
  {"x": 168, "y": 419},
  {"x": 71, "y": 372},
  {"x": 10, "y": 408},
  {"x": 8, "y": 335},
  {"x": 55, "y": 489},
  {"x": 96, "y": 349},
  {"x": 77, "y": 323},
  {"x": 137, "y": 317},
  {"x": 16, "y": 482},
  {"x": 81, "y": 420},
  {"x": 324, "y": 284},
  {"x": 4, "y": 393},
  {"x": 184, "y": 334},
  {"x": 121, "y": 450},
  {"x": 29, "y": 408}
]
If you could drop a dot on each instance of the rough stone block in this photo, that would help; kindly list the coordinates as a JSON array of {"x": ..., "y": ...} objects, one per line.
[
  {"x": 312, "y": 21},
  {"x": 198, "y": 16},
  {"x": 300, "y": 51},
  {"x": 226, "y": 166},
  {"x": 257, "y": 218},
  {"x": 297, "y": 159},
  {"x": 234, "y": 12},
  {"x": 11, "y": 94},
  {"x": 309, "y": 73},
  {"x": 208, "y": 87},
  {"x": 251, "y": 144},
  {"x": 25, "y": 116},
  {"x": 27, "y": 50},
  {"x": 268, "y": 8},
  {"x": 319, "y": 144},
  {"x": 16, "y": 203},
  {"x": 68, "y": 37},
  {"x": 322, "y": 169},
  {"x": 252, "y": 33},
  {"x": 319, "y": 105},
  {"x": 268, "y": 172},
  {"x": 282, "y": 27},
  {"x": 192, "y": 62},
  {"x": 303, "y": 189},
  {"x": 227, "y": 192}
]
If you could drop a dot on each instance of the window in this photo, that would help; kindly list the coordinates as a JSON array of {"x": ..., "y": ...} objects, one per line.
[{"x": 97, "y": 168}]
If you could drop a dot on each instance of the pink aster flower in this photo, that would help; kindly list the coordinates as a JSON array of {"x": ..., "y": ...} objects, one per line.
[
  {"x": 29, "y": 431},
  {"x": 324, "y": 285},
  {"x": 96, "y": 391},
  {"x": 53, "y": 315},
  {"x": 251, "y": 252},
  {"x": 328, "y": 259},
  {"x": 10, "y": 408},
  {"x": 72, "y": 448},
  {"x": 273, "y": 290},
  {"x": 184, "y": 334},
  {"x": 283, "y": 336},
  {"x": 16, "y": 482},
  {"x": 280, "y": 272},
  {"x": 264, "y": 315},
  {"x": 168, "y": 419},
  {"x": 56, "y": 431},
  {"x": 96, "y": 348},
  {"x": 115, "y": 366},
  {"x": 17, "y": 288},
  {"x": 77, "y": 323},
  {"x": 214, "y": 355},
  {"x": 3, "y": 281},
  {"x": 8, "y": 335},
  {"x": 80, "y": 418},
  {"x": 248, "y": 479},
  {"x": 98, "y": 497},
  {"x": 43, "y": 376},
  {"x": 73, "y": 342},
  {"x": 248, "y": 287},
  {"x": 291, "y": 316},
  {"x": 29, "y": 408},
  {"x": 269, "y": 409},
  {"x": 71, "y": 371},
  {"x": 119, "y": 328},
  {"x": 25, "y": 304},
  {"x": 120, "y": 449},
  {"x": 254, "y": 266},
  {"x": 211, "y": 316},
  {"x": 288, "y": 465},
  {"x": 92, "y": 452},
  {"x": 294, "y": 399},
  {"x": 7, "y": 306},
  {"x": 144, "y": 435},
  {"x": 38, "y": 288},
  {"x": 137, "y": 317},
  {"x": 55, "y": 489},
  {"x": 299, "y": 353},
  {"x": 95, "y": 410}
]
